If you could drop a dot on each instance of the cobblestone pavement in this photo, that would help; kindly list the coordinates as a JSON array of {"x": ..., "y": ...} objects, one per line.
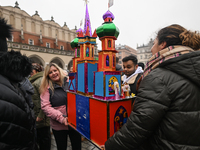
[{"x": 86, "y": 145}]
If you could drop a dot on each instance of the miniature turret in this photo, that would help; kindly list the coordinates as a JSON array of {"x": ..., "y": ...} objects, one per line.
[{"x": 107, "y": 33}]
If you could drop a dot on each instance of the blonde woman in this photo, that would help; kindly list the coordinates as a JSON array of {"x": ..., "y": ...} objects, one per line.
[{"x": 53, "y": 102}]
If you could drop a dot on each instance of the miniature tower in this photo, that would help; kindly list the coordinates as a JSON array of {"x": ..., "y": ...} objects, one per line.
[
  {"x": 86, "y": 64},
  {"x": 87, "y": 41},
  {"x": 81, "y": 80},
  {"x": 107, "y": 76},
  {"x": 107, "y": 33},
  {"x": 87, "y": 44}
]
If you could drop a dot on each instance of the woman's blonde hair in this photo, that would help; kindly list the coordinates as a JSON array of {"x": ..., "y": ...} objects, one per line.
[
  {"x": 178, "y": 35},
  {"x": 46, "y": 81}
]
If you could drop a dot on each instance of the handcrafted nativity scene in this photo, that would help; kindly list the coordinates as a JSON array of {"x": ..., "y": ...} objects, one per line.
[{"x": 97, "y": 106}]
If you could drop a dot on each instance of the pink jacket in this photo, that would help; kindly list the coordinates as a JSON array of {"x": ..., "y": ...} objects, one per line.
[{"x": 55, "y": 113}]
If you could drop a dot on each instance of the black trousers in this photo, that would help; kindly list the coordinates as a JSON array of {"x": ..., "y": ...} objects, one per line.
[
  {"x": 61, "y": 139},
  {"x": 44, "y": 138}
]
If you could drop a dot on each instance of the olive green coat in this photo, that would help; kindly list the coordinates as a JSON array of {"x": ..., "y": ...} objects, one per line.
[{"x": 36, "y": 81}]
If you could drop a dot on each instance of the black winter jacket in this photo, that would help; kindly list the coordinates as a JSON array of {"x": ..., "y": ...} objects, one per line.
[
  {"x": 166, "y": 114},
  {"x": 16, "y": 116}
]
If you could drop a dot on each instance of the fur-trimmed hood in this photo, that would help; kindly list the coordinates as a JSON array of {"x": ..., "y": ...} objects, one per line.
[{"x": 15, "y": 66}]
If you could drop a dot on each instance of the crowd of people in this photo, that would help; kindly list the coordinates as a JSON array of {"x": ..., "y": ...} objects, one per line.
[
  {"x": 30, "y": 106},
  {"x": 165, "y": 113}
]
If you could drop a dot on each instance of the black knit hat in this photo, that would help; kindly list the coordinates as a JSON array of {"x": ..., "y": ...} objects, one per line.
[{"x": 5, "y": 32}]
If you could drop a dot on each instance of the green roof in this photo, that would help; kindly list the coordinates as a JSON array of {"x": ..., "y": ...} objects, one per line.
[
  {"x": 107, "y": 29},
  {"x": 74, "y": 43}
]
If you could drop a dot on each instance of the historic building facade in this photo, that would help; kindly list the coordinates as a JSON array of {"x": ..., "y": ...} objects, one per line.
[
  {"x": 123, "y": 51},
  {"x": 144, "y": 52},
  {"x": 42, "y": 41}
]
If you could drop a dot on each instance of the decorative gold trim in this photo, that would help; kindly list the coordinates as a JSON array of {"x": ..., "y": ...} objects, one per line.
[
  {"x": 85, "y": 94},
  {"x": 88, "y": 61}
]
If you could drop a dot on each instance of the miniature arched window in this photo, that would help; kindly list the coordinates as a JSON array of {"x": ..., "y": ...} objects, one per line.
[
  {"x": 107, "y": 60},
  {"x": 78, "y": 52},
  {"x": 87, "y": 52},
  {"x": 120, "y": 118},
  {"x": 92, "y": 52},
  {"x": 113, "y": 61},
  {"x": 109, "y": 43}
]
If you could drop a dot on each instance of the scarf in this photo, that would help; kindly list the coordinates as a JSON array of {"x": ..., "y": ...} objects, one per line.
[
  {"x": 138, "y": 70},
  {"x": 163, "y": 55}
]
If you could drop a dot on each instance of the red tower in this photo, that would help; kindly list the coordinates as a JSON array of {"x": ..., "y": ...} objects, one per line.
[{"x": 107, "y": 33}]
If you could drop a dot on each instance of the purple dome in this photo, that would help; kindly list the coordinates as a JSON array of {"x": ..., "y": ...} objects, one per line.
[
  {"x": 79, "y": 30},
  {"x": 108, "y": 14}
]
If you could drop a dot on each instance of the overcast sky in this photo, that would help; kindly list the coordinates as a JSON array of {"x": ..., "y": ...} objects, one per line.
[{"x": 137, "y": 20}]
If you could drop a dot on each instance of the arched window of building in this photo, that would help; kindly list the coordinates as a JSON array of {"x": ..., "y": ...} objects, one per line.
[
  {"x": 92, "y": 52},
  {"x": 42, "y": 28},
  {"x": 33, "y": 27},
  {"x": 57, "y": 33},
  {"x": 30, "y": 41},
  {"x": 23, "y": 22},
  {"x": 87, "y": 52},
  {"x": 109, "y": 43},
  {"x": 12, "y": 21},
  {"x": 63, "y": 35},
  {"x": 50, "y": 32},
  {"x": 48, "y": 45},
  {"x": 69, "y": 37},
  {"x": 107, "y": 60},
  {"x": 61, "y": 47}
]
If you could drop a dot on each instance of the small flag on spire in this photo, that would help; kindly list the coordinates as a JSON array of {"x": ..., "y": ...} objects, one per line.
[
  {"x": 110, "y": 3},
  {"x": 81, "y": 22}
]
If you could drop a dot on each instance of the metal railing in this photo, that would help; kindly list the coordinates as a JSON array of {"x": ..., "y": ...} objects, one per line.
[{"x": 21, "y": 46}]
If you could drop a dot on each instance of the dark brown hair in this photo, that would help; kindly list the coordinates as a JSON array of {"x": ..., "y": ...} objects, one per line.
[
  {"x": 37, "y": 67},
  {"x": 178, "y": 35}
]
